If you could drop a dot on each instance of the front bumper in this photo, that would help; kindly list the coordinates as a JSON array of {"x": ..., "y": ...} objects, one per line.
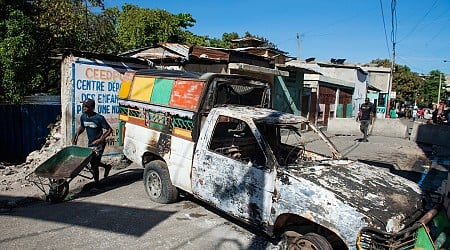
[{"x": 432, "y": 231}]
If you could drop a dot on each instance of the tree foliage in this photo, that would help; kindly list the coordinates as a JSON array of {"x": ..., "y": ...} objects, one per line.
[
  {"x": 382, "y": 62},
  {"x": 406, "y": 84},
  {"x": 17, "y": 53},
  {"x": 30, "y": 30},
  {"x": 429, "y": 91},
  {"x": 412, "y": 87},
  {"x": 140, "y": 27}
]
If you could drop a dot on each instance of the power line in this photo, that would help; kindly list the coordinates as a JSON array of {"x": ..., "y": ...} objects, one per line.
[
  {"x": 444, "y": 26},
  {"x": 420, "y": 21},
  {"x": 384, "y": 27},
  {"x": 393, "y": 40},
  {"x": 393, "y": 24}
]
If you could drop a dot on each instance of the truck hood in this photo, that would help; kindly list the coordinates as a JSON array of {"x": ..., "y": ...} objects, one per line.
[{"x": 380, "y": 198}]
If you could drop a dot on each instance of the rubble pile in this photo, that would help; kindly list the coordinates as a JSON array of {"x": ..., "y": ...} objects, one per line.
[{"x": 13, "y": 178}]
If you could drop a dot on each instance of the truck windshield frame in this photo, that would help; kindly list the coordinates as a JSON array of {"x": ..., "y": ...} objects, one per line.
[{"x": 290, "y": 147}]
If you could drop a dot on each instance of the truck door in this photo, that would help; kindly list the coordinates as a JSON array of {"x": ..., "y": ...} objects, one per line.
[{"x": 230, "y": 170}]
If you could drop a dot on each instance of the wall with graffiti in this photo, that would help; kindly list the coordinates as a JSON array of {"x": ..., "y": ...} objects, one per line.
[{"x": 98, "y": 80}]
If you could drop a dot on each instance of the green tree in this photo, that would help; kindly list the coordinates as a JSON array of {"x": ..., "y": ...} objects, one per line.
[
  {"x": 407, "y": 84},
  {"x": 17, "y": 54},
  {"x": 140, "y": 27},
  {"x": 430, "y": 89},
  {"x": 382, "y": 62},
  {"x": 102, "y": 33}
]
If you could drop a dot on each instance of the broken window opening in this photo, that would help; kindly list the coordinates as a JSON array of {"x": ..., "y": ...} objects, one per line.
[
  {"x": 289, "y": 146},
  {"x": 234, "y": 139},
  {"x": 240, "y": 94}
]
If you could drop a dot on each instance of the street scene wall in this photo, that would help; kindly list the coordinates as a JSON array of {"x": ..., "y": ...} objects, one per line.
[
  {"x": 98, "y": 80},
  {"x": 382, "y": 127}
]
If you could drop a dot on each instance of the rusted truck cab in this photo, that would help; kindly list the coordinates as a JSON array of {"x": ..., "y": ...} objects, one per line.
[{"x": 257, "y": 164}]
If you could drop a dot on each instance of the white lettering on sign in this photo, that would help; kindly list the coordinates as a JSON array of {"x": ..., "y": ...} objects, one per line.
[{"x": 100, "y": 83}]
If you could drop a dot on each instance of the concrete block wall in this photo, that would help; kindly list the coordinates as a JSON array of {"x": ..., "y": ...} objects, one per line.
[
  {"x": 382, "y": 127},
  {"x": 432, "y": 134}
]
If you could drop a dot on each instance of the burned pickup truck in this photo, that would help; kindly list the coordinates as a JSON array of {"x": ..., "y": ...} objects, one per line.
[{"x": 255, "y": 163}]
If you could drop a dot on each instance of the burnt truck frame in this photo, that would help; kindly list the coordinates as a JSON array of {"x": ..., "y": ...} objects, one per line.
[{"x": 213, "y": 136}]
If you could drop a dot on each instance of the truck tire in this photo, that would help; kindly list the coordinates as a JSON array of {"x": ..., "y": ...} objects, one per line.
[
  {"x": 309, "y": 241},
  {"x": 157, "y": 183}
]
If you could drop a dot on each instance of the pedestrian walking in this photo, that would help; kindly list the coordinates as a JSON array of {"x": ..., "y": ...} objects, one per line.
[
  {"x": 365, "y": 117},
  {"x": 414, "y": 113},
  {"x": 392, "y": 113},
  {"x": 421, "y": 113},
  {"x": 94, "y": 124}
]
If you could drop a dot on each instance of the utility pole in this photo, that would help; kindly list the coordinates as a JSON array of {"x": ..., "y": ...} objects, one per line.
[
  {"x": 388, "y": 115},
  {"x": 439, "y": 91},
  {"x": 298, "y": 48}
]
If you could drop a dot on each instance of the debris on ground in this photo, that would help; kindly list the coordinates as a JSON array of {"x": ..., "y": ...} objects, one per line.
[{"x": 13, "y": 178}]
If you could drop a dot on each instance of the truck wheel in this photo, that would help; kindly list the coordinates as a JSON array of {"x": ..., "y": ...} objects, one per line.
[
  {"x": 309, "y": 241},
  {"x": 157, "y": 183}
]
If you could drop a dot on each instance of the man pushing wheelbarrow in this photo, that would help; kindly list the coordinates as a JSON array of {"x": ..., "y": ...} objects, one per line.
[{"x": 94, "y": 124}]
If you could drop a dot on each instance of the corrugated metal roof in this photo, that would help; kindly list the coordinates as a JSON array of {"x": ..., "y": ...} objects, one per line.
[
  {"x": 308, "y": 66},
  {"x": 180, "y": 49},
  {"x": 42, "y": 99},
  {"x": 162, "y": 51},
  {"x": 209, "y": 53},
  {"x": 156, "y": 53},
  {"x": 338, "y": 82},
  {"x": 62, "y": 52}
]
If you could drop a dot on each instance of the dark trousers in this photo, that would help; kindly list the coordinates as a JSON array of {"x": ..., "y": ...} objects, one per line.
[
  {"x": 364, "y": 128},
  {"x": 95, "y": 163},
  {"x": 96, "y": 160}
]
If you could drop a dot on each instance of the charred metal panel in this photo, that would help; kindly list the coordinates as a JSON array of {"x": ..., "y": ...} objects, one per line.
[
  {"x": 346, "y": 195},
  {"x": 304, "y": 198},
  {"x": 164, "y": 143},
  {"x": 240, "y": 188},
  {"x": 243, "y": 190}
]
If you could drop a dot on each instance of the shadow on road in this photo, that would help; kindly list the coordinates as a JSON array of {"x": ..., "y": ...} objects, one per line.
[
  {"x": 113, "y": 218},
  {"x": 117, "y": 180},
  {"x": 118, "y": 219},
  {"x": 260, "y": 240}
]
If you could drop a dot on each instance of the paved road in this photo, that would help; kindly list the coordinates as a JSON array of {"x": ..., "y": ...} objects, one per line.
[{"x": 121, "y": 216}]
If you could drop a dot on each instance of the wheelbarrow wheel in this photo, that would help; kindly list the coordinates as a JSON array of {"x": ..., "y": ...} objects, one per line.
[{"x": 59, "y": 189}]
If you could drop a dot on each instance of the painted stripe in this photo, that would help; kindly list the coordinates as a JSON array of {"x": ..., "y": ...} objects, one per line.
[
  {"x": 183, "y": 133},
  {"x": 162, "y": 91},
  {"x": 73, "y": 100},
  {"x": 142, "y": 88},
  {"x": 137, "y": 121},
  {"x": 124, "y": 89},
  {"x": 186, "y": 94},
  {"x": 123, "y": 118}
]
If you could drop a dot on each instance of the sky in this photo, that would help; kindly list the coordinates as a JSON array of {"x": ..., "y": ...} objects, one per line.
[{"x": 357, "y": 30}]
